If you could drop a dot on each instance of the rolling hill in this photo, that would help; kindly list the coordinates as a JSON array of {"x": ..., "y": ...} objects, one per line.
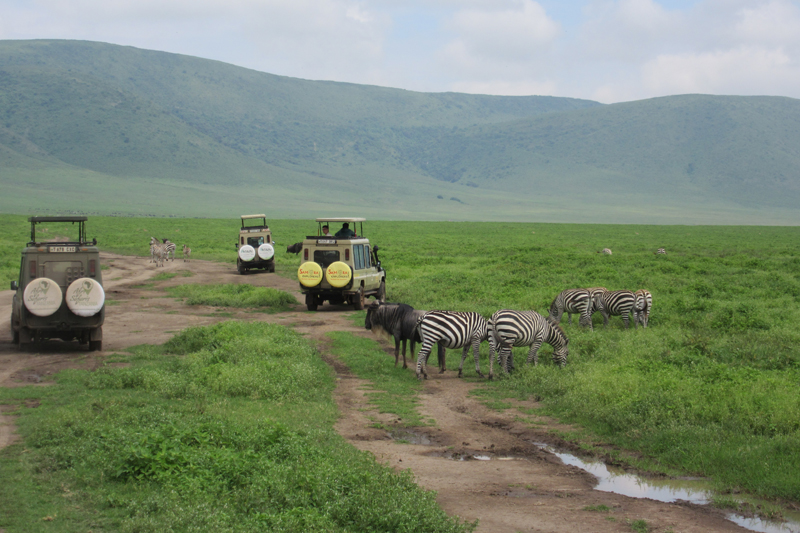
[{"x": 98, "y": 128}]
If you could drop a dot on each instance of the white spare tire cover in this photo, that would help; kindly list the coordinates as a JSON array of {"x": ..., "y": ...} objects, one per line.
[
  {"x": 247, "y": 253},
  {"x": 85, "y": 297},
  {"x": 42, "y": 297},
  {"x": 266, "y": 251}
]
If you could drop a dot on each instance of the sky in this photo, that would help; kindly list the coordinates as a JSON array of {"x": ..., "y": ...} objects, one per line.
[{"x": 604, "y": 50}]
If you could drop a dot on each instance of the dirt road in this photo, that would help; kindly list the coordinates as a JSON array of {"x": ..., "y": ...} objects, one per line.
[{"x": 483, "y": 464}]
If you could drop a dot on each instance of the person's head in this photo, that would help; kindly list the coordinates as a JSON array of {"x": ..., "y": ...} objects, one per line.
[
  {"x": 345, "y": 225},
  {"x": 325, "y": 229}
]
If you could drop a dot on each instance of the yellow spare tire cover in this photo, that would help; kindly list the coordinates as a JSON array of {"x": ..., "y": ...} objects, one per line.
[
  {"x": 338, "y": 274},
  {"x": 309, "y": 274},
  {"x": 85, "y": 297},
  {"x": 42, "y": 297}
]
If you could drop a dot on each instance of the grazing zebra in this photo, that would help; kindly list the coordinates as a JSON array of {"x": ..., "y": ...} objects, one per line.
[
  {"x": 641, "y": 307},
  {"x": 186, "y": 253},
  {"x": 615, "y": 303},
  {"x": 605, "y": 251},
  {"x": 526, "y": 328},
  {"x": 451, "y": 329},
  {"x": 661, "y": 251},
  {"x": 572, "y": 301},
  {"x": 169, "y": 248}
]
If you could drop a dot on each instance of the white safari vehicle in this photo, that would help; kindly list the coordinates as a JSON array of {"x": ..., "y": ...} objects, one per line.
[
  {"x": 255, "y": 247},
  {"x": 59, "y": 293},
  {"x": 341, "y": 269}
]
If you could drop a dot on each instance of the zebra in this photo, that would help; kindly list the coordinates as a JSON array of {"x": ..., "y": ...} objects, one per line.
[
  {"x": 451, "y": 329},
  {"x": 158, "y": 251},
  {"x": 186, "y": 253},
  {"x": 605, "y": 251},
  {"x": 572, "y": 301},
  {"x": 641, "y": 307},
  {"x": 526, "y": 328},
  {"x": 661, "y": 251},
  {"x": 154, "y": 244},
  {"x": 615, "y": 303},
  {"x": 169, "y": 248}
]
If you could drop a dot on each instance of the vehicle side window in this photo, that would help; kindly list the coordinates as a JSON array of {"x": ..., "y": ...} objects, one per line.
[
  {"x": 358, "y": 256},
  {"x": 325, "y": 257}
]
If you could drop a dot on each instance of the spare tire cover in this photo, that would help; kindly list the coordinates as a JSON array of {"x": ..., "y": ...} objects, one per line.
[
  {"x": 266, "y": 251},
  {"x": 85, "y": 297},
  {"x": 42, "y": 297},
  {"x": 309, "y": 274},
  {"x": 338, "y": 274},
  {"x": 247, "y": 253}
]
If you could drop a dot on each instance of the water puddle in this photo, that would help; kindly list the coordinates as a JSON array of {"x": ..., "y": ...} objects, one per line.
[{"x": 610, "y": 479}]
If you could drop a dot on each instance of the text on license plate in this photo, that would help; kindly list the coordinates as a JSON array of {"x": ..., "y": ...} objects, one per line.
[{"x": 62, "y": 248}]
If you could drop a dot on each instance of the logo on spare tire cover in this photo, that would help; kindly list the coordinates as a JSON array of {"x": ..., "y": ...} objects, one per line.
[
  {"x": 309, "y": 274},
  {"x": 247, "y": 253},
  {"x": 266, "y": 251},
  {"x": 338, "y": 274},
  {"x": 42, "y": 297},
  {"x": 85, "y": 297}
]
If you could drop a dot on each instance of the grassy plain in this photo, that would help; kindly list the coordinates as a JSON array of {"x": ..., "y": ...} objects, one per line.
[{"x": 711, "y": 387}]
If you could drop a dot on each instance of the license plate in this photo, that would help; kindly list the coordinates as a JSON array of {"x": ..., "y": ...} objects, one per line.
[
  {"x": 326, "y": 241},
  {"x": 62, "y": 249}
]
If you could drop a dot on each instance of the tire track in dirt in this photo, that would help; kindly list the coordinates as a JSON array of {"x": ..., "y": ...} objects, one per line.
[{"x": 513, "y": 487}]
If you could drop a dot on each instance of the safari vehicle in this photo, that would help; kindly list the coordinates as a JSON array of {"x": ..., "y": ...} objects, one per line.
[
  {"x": 255, "y": 246},
  {"x": 342, "y": 269},
  {"x": 59, "y": 294}
]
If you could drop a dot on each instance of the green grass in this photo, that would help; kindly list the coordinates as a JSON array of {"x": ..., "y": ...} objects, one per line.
[
  {"x": 710, "y": 388},
  {"x": 224, "y": 428},
  {"x": 235, "y": 295},
  {"x": 393, "y": 389}
]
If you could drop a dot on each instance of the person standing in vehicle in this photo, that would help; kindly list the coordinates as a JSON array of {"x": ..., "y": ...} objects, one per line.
[{"x": 345, "y": 232}]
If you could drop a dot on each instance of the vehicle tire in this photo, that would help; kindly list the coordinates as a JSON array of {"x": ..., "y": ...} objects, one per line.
[
  {"x": 311, "y": 302},
  {"x": 272, "y": 267},
  {"x": 95, "y": 346},
  {"x": 381, "y": 292},
  {"x": 240, "y": 267},
  {"x": 358, "y": 299},
  {"x": 15, "y": 335}
]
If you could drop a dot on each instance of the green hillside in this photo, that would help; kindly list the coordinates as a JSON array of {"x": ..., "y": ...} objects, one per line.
[{"x": 100, "y": 128}]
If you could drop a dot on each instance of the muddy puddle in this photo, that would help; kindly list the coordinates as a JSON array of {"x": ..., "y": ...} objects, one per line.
[{"x": 610, "y": 479}]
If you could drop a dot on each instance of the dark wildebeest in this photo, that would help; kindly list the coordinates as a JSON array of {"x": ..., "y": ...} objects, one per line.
[
  {"x": 295, "y": 248},
  {"x": 400, "y": 321}
]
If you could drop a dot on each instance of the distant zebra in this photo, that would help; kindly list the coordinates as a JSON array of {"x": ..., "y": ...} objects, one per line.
[
  {"x": 615, "y": 303},
  {"x": 605, "y": 251},
  {"x": 169, "y": 248},
  {"x": 159, "y": 252},
  {"x": 661, "y": 251},
  {"x": 451, "y": 329},
  {"x": 526, "y": 328},
  {"x": 186, "y": 253},
  {"x": 641, "y": 307},
  {"x": 153, "y": 245},
  {"x": 576, "y": 301}
]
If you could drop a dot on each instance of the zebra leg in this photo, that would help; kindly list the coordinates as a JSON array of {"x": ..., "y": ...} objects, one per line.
[
  {"x": 422, "y": 359},
  {"x": 441, "y": 354},
  {"x": 476, "y": 348},
  {"x": 463, "y": 357},
  {"x": 625, "y": 320},
  {"x": 605, "y": 317},
  {"x": 569, "y": 318},
  {"x": 533, "y": 354}
]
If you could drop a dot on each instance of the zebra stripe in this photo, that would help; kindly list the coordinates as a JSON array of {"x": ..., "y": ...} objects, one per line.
[
  {"x": 576, "y": 301},
  {"x": 169, "y": 248},
  {"x": 641, "y": 307},
  {"x": 527, "y": 328},
  {"x": 615, "y": 303},
  {"x": 605, "y": 251},
  {"x": 451, "y": 329},
  {"x": 661, "y": 251}
]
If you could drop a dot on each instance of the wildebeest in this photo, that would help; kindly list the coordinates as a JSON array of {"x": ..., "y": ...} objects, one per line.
[
  {"x": 399, "y": 321},
  {"x": 295, "y": 248}
]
